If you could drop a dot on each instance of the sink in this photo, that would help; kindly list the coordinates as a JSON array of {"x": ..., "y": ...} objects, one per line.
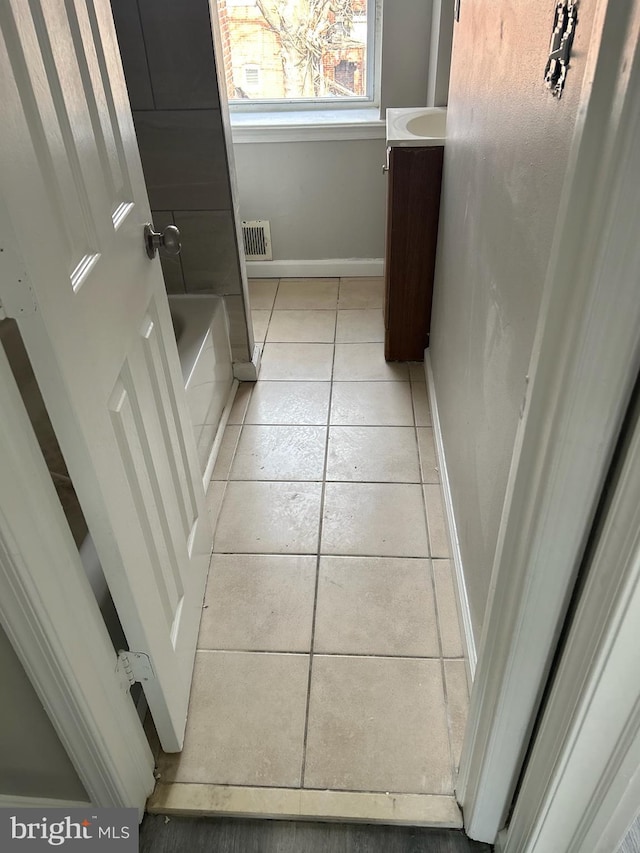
[
  {"x": 432, "y": 125},
  {"x": 419, "y": 126}
]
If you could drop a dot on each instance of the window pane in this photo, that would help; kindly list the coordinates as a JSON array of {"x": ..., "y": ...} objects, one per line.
[{"x": 294, "y": 49}]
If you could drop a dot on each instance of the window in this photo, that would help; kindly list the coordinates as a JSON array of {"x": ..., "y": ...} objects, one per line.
[{"x": 318, "y": 53}]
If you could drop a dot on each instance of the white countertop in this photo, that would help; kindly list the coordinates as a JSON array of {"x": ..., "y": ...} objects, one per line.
[{"x": 416, "y": 127}]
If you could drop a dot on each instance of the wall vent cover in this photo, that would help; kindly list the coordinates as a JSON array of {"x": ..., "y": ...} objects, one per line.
[{"x": 256, "y": 235}]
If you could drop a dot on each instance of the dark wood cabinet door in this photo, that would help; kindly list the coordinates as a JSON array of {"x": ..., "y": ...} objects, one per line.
[{"x": 413, "y": 206}]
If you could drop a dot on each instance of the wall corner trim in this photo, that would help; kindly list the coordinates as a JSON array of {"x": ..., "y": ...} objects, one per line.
[
  {"x": 247, "y": 371},
  {"x": 470, "y": 656}
]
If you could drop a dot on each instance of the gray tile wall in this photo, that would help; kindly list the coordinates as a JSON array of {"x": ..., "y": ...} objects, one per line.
[{"x": 169, "y": 64}]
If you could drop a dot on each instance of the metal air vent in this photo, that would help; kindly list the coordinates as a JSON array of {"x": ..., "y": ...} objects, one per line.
[{"x": 256, "y": 235}]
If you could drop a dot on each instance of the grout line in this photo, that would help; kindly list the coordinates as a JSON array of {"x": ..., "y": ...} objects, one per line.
[
  {"x": 449, "y": 725},
  {"x": 266, "y": 331},
  {"x": 313, "y": 553},
  {"x": 303, "y": 653},
  {"x": 318, "y": 557},
  {"x": 423, "y": 496},
  {"x": 339, "y": 381},
  {"x": 416, "y": 438},
  {"x": 325, "y": 479},
  {"x": 342, "y": 556},
  {"x": 214, "y": 530},
  {"x": 323, "y": 424},
  {"x": 392, "y": 792},
  {"x": 443, "y": 675},
  {"x": 426, "y": 519},
  {"x": 436, "y": 608}
]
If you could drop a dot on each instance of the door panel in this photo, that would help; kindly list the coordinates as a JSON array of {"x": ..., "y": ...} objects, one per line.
[{"x": 101, "y": 340}]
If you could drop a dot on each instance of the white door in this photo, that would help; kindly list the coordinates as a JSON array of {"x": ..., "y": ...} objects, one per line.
[{"x": 93, "y": 313}]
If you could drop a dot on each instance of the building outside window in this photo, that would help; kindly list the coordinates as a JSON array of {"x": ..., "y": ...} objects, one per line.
[{"x": 302, "y": 52}]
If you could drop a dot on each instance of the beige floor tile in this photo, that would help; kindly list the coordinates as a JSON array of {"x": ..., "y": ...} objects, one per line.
[
  {"x": 258, "y": 602},
  {"x": 361, "y": 293},
  {"x": 307, "y": 293},
  {"x": 438, "y": 538},
  {"x": 457, "y": 705},
  {"x": 302, "y": 327},
  {"x": 376, "y": 606},
  {"x": 364, "y": 326},
  {"x": 279, "y": 453},
  {"x": 269, "y": 518},
  {"x": 428, "y": 461},
  {"x": 289, "y": 403},
  {"x": 260, "y": 321},
  {"x": 448, "y": 623},
  {"x": 420, "y": 404},
  {"x": 365, "y": 363},
  {"x": 371, "y": 404},
  {"x": 296, "y": 362},
  {"x": 262, "y": 293},
  {"x": 373, "y": 454},
  {"x": 360, "y": 712},
  {"x": 240, "y": 403},
  {"x": 373, "y": 519},
  {"x": 226, "y": 452},
  {"x": 246, "y": 719}
]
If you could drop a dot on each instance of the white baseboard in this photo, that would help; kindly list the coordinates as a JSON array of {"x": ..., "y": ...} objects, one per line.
[
  {"x": 471, "y": 656},
  {"x": 320, "y": 268}
]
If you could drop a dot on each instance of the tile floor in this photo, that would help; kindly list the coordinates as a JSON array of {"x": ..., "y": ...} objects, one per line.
[{"x": 329, "y": 656}]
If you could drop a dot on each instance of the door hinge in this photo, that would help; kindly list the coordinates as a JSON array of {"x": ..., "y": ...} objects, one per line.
[
  {"x": 564, "y": 28},
  {"x": 132, "y": 667}
]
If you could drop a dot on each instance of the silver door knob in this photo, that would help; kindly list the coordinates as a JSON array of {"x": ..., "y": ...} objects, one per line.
[{"x": 168, "y": 240}]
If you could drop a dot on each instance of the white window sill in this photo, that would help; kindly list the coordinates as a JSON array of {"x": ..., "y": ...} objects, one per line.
[{"x": 307, "y": 126}]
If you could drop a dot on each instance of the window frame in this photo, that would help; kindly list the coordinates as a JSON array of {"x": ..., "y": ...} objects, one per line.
[{"x": 310, "y": 105}]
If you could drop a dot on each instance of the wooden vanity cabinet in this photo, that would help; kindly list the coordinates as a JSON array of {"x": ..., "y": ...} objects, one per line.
[{"x": 413, "y": 206}]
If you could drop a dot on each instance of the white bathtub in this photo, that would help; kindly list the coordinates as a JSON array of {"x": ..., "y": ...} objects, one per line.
[{"x": 202, "y": 334}]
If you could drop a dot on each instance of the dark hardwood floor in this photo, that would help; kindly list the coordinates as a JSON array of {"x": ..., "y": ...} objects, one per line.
[{"x": 231, "y": 835}]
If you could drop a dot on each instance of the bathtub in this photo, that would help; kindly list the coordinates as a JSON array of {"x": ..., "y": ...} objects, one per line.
[{"x": 202, "y": 335}]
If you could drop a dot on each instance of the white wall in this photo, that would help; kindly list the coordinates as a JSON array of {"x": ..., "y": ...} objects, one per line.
[
  {"x": 406, "y": 37},
  {"x": 505, "y": 159},
  {"x": 440, "y": 53},
  {"x": 326, "y": 199},
  {"x": 323, "y": 199}
]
